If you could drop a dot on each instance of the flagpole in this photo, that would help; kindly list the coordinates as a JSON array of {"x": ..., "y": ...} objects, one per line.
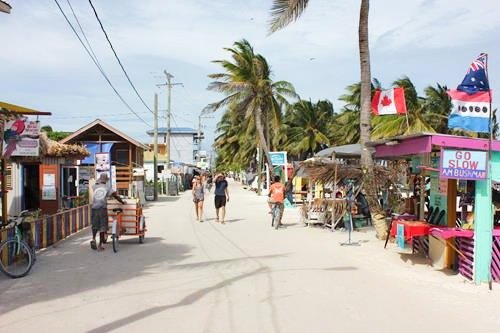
[
  {"x": 490, "y": 149},
  {"x": 407, "y": 121}
]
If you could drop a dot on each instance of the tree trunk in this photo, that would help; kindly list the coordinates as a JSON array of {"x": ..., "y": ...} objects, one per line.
[
  {"x": 262, "y": 140},
  {"x": 370, "y": 187}
]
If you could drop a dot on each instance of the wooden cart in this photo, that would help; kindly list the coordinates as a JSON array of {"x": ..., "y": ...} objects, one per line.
[{"x": 132, "y": 220}]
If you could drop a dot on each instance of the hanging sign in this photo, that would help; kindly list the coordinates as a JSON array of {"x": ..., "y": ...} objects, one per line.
[
  {"x": 21, "y": 137},
  {"x": 464, "y": 164},
  {"x": 278, "y": 157}
]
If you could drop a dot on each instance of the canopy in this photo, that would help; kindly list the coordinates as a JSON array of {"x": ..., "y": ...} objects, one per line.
[{"x": 345, "y": 151}]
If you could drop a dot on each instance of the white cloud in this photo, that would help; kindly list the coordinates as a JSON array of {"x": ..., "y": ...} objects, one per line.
[{"x": 44, "y": 65}]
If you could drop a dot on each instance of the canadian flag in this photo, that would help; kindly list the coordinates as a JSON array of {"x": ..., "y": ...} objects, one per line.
[{"x": 390, "y": 101}]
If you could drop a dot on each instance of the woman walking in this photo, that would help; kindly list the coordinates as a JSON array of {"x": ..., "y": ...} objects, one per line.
[{"x": 198, "y": 198}]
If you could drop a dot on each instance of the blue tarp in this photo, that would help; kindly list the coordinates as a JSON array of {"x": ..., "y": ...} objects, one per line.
[{"x": 93, "y": 147}]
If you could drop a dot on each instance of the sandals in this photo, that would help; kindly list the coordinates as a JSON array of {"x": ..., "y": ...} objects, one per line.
[{"x": 93, "y": 245}]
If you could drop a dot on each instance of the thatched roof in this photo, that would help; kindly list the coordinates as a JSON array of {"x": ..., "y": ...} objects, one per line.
[
  {"x": 51, "y": 148},
  {"x": 321, "y": 169}
]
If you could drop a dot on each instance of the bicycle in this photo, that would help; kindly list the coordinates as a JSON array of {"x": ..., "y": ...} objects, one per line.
[
  {"x": 116, "y": 229},
  {"x": 17, "y": 253},
  {"x": 276, "y": 213}
]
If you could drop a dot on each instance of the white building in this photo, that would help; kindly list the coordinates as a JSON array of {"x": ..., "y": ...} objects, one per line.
[{"x": 184, "y": 148}]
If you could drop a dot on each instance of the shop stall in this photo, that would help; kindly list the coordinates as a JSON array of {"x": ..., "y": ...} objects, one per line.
[
  {"x": 335, "y": 188},
  {"x": 454, "y": 211}
]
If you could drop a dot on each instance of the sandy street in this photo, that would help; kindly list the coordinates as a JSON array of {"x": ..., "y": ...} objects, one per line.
[{"x": 240, "y": 277}]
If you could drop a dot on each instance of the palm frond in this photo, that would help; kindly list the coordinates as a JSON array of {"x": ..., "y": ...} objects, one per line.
[{"x": 285, "y": 11}]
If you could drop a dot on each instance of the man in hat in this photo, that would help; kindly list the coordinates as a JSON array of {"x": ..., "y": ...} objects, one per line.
[{"x": 99, "y": 210}]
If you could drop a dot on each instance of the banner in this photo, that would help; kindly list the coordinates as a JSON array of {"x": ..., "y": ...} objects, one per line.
[{"x": 21, "y": 137}]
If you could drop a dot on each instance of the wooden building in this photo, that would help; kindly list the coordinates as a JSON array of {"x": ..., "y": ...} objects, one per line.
[{"x": 125, "y": 153}]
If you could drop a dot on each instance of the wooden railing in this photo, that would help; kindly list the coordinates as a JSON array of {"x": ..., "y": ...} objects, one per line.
[{"x": 50, "y": 229}]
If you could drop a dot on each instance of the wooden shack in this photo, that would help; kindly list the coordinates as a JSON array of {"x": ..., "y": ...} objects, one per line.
[{"x": 125, "y": 153}]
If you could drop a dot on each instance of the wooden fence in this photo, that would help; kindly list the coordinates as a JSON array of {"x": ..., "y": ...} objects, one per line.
[{"x": 50, "y": 229}]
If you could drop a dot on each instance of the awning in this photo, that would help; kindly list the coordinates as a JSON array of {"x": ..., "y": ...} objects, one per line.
[
  {"x": 16, "y": 109},
  {"x": 95, "y": 147}
]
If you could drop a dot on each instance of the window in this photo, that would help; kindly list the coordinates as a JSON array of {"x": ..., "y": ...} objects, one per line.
[{"x": 122, "y": 156}]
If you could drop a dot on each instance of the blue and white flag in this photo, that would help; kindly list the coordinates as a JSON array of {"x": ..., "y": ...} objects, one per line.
[{"x": 472, "y": 99}]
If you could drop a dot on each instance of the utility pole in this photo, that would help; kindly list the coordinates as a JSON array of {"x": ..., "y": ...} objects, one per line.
[
  {"x": 155, "y": 149},
  {"x": 169, "y": 85},
  {"x": 199, "y": 134}
]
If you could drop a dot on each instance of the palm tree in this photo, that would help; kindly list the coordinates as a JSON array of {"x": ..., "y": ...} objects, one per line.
[
  {"x": 246, "y": 82},
  {"x": 438, "y": 106},
  {"x": 345, "y": 128},
  {"x": 286, "y": 11},
  {"x": 235, "y": 142},
  {"x": 306, "y": 127}
]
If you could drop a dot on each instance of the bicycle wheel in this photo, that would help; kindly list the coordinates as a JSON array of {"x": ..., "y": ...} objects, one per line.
[
  {"x": 16, "y": 258},
  {"x": 116, "y": 243},
  {"x": 276, "y": 216}
]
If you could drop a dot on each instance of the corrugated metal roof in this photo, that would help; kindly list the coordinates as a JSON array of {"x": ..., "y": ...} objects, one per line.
[{"x": 174, "y": 130}]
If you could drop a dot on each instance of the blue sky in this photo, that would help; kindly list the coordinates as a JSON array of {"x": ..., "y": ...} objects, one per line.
[{"x": 45, "y": 67}]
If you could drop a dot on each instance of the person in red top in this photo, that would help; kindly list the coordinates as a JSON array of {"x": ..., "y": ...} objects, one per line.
[{"x": 277, "y": 195}]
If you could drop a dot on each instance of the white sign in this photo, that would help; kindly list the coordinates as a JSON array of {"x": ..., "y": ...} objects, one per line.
[{"x": 464, "y": 164}]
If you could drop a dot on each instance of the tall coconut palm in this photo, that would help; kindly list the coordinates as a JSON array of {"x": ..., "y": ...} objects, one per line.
[
  {"x": 284, "y": 12},
  {"x": 306, "y": 127},
  {"x": 246, "y": 82}
]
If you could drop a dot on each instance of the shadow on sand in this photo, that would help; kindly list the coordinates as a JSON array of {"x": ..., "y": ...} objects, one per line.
[{"x": 72, "y": 267}]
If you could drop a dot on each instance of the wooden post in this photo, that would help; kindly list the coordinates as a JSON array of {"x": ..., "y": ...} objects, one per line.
[{"x": 451, "y": 207}]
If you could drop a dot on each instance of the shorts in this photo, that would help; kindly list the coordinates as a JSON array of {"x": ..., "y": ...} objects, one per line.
[
  {"x": 220, "y": 201},
  {"x": 99, "y": 219},
  {"x": 196, "y": 200}
]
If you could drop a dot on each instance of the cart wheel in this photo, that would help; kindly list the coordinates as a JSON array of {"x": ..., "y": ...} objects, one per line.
[
  {"x": 116, "y": 243},
  {"x": 141, "y": 239}
]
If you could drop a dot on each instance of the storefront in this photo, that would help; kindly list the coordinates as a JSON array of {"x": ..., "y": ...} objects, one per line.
[{"x": 452, "y": 199}]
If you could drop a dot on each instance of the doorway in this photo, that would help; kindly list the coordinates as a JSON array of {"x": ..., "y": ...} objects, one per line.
[{"x": 31, "y": 186}]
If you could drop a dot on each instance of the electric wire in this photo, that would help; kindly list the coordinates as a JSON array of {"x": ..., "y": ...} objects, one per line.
[
  {"x": 84, "y": 35},
  {"x": 98, "y": 66},
  {"x": 117, "y": 58}
]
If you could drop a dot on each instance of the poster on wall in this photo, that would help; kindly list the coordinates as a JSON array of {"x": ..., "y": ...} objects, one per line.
[
  {"x": 49, "y": 193},
  {"x": 21, "y": 137},
  {"x": 102, "y": 164},
  {"x": 49, "y": 186}
]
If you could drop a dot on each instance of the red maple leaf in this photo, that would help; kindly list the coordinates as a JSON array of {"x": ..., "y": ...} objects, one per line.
[{"x": 386, "y": 101}]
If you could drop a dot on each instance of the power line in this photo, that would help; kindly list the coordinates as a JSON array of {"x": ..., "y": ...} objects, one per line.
[
  {"x": 98, "y": 66},
  {"x": 117, "y": 58},
  {"x": 84, "y": 35}
]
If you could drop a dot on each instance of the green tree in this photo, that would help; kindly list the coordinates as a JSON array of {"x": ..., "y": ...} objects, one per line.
[
  {"x": 285, "y": 11},
  {"x": 306, "y": 127},
  {"x": 249, "y": 90},
  {"x": 54, "y": 135}
]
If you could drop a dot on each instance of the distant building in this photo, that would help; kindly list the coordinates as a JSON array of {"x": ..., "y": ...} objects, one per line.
[{"x": 183, "y": 142}]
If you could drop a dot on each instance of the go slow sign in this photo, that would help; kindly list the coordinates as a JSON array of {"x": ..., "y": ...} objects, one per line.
[{"x": 464, "y": 164}]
